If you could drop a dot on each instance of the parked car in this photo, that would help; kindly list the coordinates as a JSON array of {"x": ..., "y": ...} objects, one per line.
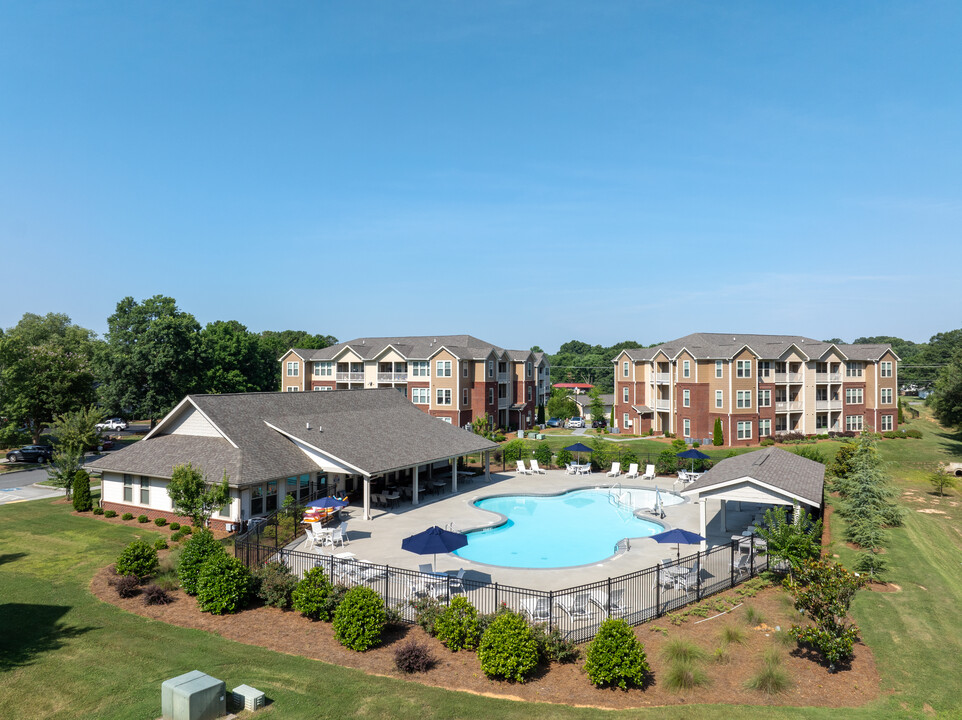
[
  {"x": 575, "y": 422},
  {"x": 31, "y": 453},
  {"x": 600, "y": 423},
  {"x": 553, "y": 422},
  {"x": 112, "y": 424}
]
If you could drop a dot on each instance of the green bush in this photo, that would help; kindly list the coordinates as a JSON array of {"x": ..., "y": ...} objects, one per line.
[
  {"x": 196, "y": 551},
  {"x": 98, "y": 511},
  {"x": 457, "y": 626},
  {"x": 513, "y": 451},
  {"x": 914, "y": 433},
  {"x": 110, "y": 513},
  {"x": 224, "y": 584},
  {"x": 616, "y": 657},
  {"x": 127, "y": 516},
  {"x": 767, "y": 442},
  {"x": 138, "y": 559},
  {"x": 274, "y": 584},
  {"x": 161, "y": 544},
  {"x": 175, "y": 526},
  {"x": 542, "y": 454},
  {"x": 177, "y": 536},
  {"x": 360, "y": 618},
  {"x": 553, "y": 646},
  {"x": 313, "y": 596},
  {"x": 187, "y": 529},
  {"x": 508, "y": 649},
  {"x": 143, "y": 519},
  {"x": 667, "y": 463},
  {"x": 717, "y": 437},
  {"x": 82, "y": 502},
  {"x": 160, "y": 522},
  {"x": 426, "y": 612},
  {"x": 564, "y": 458}
]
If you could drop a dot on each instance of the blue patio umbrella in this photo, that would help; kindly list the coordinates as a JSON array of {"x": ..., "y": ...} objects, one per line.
[
  {"x": 678, "y": 536},
  {"x": 434, "y": 540},
  {"x": 692, "y": 454},
  {"x": 578, "y": 448},
  {"x": 328, "y": 503}
]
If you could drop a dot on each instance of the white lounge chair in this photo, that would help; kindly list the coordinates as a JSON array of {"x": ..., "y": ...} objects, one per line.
[
  {"x": 615, "y": 469},
  {"x": 538, "y": 608},
  {"x": 690, "y": 581},
  {"x": 571, "y": 469},
  {"x": 741, "y": 565},
  {"x": 632, "y": 471},
  {"x": 522, "y": 469},
  {"x": 311, "y": 543},
  {"x": 613, "y": 604},
  {"x": 339, "y": 535},
  {"x": 577, "y": 606},
  {"x": 683, "y": 476},
  {"x": 535, "y": 468},
  {"x": 649, "y": 472}
]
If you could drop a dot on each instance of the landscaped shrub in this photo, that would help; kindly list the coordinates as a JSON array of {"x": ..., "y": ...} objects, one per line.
[
  {"x": 142, "y": 518},
  {"x": 161, "y": 544},
  {"x": 508, "y": 649},
  {"x": 127, "y": 516},
  {"x": 564, "y": 457},
  {"x": 138, "y": 559},
  {"x": 667, "y": 463},
  {"x": 457, "y": 626},
  {"x": 413, "y": 657},
  {"x": 177, "y": 536},
  {"x": 187, "y": 529},
  {"x": 160, "y": 522},
  {"x": 175, "y": 526},
  {"x": 542, "y": 454},
  {"x": 82, "y": 502},
  {"x": 914, "y": 433},
  {"x": 98, "y": 511},
  {"x": 359, "y": 619},
  {"x": 767, "y": 442},
  {"x": 274, "y": 583},
  {"x": 717, "y": 437},
  {"x": 427, "y": 609},
  {"x": 616, "y": 657},
  {"x": 156, "y": 595},
  {"x": 110, "y": 513},
  {"x": 684, "y": 675},
  {"x": 196, "y": 551},
  {"x": 553, "y": 646},
  {"x": 224, "y": 584},
  {"x": 312, "y": 596},
  {"x": 127, "y": 585},
  {"x": 771, "y": 679}
]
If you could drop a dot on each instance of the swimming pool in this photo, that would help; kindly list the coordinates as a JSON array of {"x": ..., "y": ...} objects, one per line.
[{"x": 576, "y": 528}]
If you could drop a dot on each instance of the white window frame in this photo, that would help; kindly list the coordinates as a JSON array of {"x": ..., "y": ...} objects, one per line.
[
  {"x": 464, "y": 396},
  {"x": 443, "y": 396},
  {"x": 765, "y": 423},
  {"x": 686, "y": 368},
  {"x": 490, "y": 368},
  {"x": 886, "y": 395},
  {"x": 885, "y": 368},
  {"x": 764, "y": 398},
  {"x": 743, "y": 429},
  {"x": 888, "y": 423},
  {"x": 464, "y": 369},
  {"x": 743, "y": 368},
  {"x": 719, "y": 398},
  {"x": 624, "y": 394},
  {"x": 293, "y": 368},
  {"x": 854, "y": 423},
  {"x": 490, "y": 396},
  {"x": 445, "y": 419},
  {"x": 528, "y": 368},
  {"x": 852, "y": 393},
  {"x": 853, "y": 369},
  {"x": 719, "y": 369},
  {"x": 764, "y": 368},
  {"x": 292, "y": 388},
  {"x": 624, "y": 368},
  {"x": 443, "y": 368},
  {"x": 743, "y": 399},
  {"x": 420, "y": 368},
  {"x": 686, "y": 427},
  {"x": 686, "y": 398},
  {"x": 420, "y": 396}
]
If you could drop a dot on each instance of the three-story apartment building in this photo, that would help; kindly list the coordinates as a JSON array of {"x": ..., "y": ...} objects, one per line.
[
  {"x": 757, "y": 385},
  {"x": 457, "y": 378}
]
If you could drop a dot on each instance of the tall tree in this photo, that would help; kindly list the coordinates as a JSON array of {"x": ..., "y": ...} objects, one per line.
[
  {"x": 45, "y": 369},
  {"x": 76, "y": 431},
  {"x": 151, "y": 359},
  {"x": 235, "y": 359},
  {"x": 947, "y": 399},
  {"x": 561, "y": 405}
]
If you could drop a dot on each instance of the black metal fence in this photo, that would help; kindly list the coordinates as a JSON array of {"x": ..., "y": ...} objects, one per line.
[{"x": 577, "y": 611}]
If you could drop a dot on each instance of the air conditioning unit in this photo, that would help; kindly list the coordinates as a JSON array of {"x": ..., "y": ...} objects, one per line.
[
  {"x": 244, "y": 697},
  {"x": 193, "y": 696}
]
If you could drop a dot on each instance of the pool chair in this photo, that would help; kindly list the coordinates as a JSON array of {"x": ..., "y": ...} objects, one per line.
[
  {"x": 570, "y": 469},
  {"x": 683, "y": 477},
  {"x": 311, "y": 542},
  {"x": 535, "y": 468},
  {"x": 688, "y": 582},
  {"x": 576, "y": 606},
  {"x": 426, "y": 568},
  {"x": 522, "y": 469},
  {"x": 741, "y": 565},
  {"x": 649, "y": 473},
  {"x": 613, "y": 604},
  {"x": 538, "y": 608},
  {"x": 457, "y": 581},
  {"x": 632, "y": 471},
  {"x": 615, "y": 469}
]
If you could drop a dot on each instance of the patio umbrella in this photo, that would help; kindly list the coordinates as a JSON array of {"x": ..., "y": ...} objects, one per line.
[
  {"x": 328, "y": 503},
  {"x": 432, "y": 541},
  {"x": 678, "y": 536},
  {"x": 692, "y": 454},
  {"x": 578, "y": 448}
]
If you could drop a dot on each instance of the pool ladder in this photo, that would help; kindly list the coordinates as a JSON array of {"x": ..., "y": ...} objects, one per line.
[{"x": 620, "y": 498}]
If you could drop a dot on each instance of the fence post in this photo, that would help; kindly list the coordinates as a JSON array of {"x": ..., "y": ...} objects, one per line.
[
  {"x": 658, "y": 590},
  {"x": 751, "y": 552},
  {"x": 550, "y": 608},
  {"x": 731, "y": 571},
  {"x": 608, "y": 609},
  {"x": 496, "y": 597},
  {"x": 698, "y": 574}
]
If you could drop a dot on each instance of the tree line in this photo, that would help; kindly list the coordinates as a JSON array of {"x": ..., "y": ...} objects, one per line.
[{"x": 152, "y": 355}]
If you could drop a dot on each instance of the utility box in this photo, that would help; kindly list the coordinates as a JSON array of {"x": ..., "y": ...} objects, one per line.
[{"x": 193, "y": 696}]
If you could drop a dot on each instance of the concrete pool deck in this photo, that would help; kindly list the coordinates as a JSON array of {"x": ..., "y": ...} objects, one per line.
[{"x": 379, "y": 539}]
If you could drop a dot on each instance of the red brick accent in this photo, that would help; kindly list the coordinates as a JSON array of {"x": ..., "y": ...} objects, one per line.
[{"x": 137, "y": 510}]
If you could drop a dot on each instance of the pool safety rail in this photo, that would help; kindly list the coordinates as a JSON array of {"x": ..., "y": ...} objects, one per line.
[{"x": 577, "y": 611}]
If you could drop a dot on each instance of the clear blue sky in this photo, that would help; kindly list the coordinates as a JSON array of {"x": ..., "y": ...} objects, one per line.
[{"x": 524, "y": 172}]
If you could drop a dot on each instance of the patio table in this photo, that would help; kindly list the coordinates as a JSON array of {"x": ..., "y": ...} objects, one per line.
[{"x": 677, "y": 571}]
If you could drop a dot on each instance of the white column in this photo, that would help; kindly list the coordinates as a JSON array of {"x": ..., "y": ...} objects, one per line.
[
  {"x": 367, "y": 498},
  {"x": 454, "y": 475},
  {"x": 487, "y": 465},
  {"x": 724, "y": 518},
  {"x": 414, "y": 487},
  {"x": 703, "y": 521}
]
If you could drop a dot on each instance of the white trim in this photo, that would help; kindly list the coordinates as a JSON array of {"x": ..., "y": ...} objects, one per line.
[
  {"x": 318, "y": 450},
  {"x": 169, "y": 415},
  {"x": 696, "y": 493}
]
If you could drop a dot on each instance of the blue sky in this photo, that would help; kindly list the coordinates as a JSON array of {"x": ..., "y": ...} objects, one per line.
[{"x": 525, "y": 172}]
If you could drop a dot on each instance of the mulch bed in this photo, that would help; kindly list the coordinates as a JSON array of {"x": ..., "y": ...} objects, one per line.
[{"x": 812, "y": 684}]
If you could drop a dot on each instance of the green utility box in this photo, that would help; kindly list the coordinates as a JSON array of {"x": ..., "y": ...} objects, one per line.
[{"x": 193, "y": 696}]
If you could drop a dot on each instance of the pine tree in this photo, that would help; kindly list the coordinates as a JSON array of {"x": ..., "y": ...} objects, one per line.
[
  {"x": 717, "y": 437},
  {"x": 82, "y": 502}
]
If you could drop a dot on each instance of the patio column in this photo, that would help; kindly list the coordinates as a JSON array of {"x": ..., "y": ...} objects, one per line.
[
  {"x": 724, "y": 517},
  {"x": 367, "y": 497},
  {"x": 454, "y": 475},
  {"x": 487, "y": 465},
  {"x": 704, "y": 524},
  {"x": 414, "y": 487}
]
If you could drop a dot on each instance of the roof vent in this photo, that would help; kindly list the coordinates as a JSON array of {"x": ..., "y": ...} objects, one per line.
[{"x": 308, "y": 426}]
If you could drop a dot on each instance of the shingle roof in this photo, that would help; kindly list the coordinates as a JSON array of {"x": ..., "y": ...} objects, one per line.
[
  {"x": 411, "y": 347},
  {"x": 375, "y": 431},
  {"x": 724, "y": 346},
  {"x": 773, "y": 466}
]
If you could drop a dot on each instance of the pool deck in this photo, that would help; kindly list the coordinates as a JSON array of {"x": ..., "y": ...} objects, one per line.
[{"x": 379, "y": 539}]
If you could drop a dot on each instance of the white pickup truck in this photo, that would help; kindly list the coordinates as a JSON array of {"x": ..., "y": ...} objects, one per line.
[{"x": 112, "y": 424}]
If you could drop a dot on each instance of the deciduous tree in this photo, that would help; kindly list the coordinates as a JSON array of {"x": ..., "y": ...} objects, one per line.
[{"x": 192, "y": 495}]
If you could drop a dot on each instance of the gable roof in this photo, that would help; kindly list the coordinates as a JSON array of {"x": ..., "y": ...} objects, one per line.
[
  {"x": 413, "y": 347},
  {"x": 374, "y": 431},
  {"x": 725, "y": 346}
]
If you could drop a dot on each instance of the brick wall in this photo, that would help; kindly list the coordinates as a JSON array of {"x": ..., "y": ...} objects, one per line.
[{"x": 216, "y": 523}]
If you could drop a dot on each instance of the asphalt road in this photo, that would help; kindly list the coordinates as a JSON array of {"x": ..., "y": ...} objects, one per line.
[{"x": 17, "y": 486}]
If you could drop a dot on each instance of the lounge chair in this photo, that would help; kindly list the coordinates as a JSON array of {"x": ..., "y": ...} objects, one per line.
[
  {"x": 338, "y": 535},
  {"x": 311, "y": 542},
  {"x": 649, "y": 472},
  {"x": 535, "y": 468},
  {"x": 571, "y": 469},
  {"x": 613, "y": 604},
  {"x": 683, "y": 476},
  {"x": 426, "y": 568},
  {"x": 538, "y": 608},
  {"x": 615, "y": 469},
  {"x": 577, "y": 606},
  {"x": 522, "y": 469},
  {"x": 689, "y": 581},
  {"x": 741, "y": 565},
  {"x": 457, "y": 581},
  {"x": 632, "y": 471}
]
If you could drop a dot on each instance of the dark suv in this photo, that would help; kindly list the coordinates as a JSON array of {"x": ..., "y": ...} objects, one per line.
[{"x": 31, "y": 453}]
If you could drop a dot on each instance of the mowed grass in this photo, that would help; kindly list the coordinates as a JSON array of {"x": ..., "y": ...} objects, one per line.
[{"x": 65, "y": 654}]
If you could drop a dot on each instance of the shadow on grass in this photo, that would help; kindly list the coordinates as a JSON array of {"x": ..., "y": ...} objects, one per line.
[
  {"x": 27, "y": 631},
  {"x": 952, "y": 441},
  {"x": 11, "y": 557}
]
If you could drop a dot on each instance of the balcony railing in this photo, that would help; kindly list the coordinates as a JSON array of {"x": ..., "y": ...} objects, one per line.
[
  {"x": 504, "y": 403},
  {"x": 828, "y": 377},
  {"x": 662, "y": 405},
  {"x": 392, "y": 377},
  {"x": 828, "y": 404},
  {"x": 788, "y": 406},
  {"x": 662, "y": 378},
  {"x": 503, "y": 377},
  {"x": 350, "y": 377},
  {"x": 788, "y": 377}
]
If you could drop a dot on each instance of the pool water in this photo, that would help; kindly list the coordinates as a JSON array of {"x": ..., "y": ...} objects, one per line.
[{"x": 576, "y": 528}]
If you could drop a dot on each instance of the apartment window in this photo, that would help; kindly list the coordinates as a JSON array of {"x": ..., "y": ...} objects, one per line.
[
  {"x": 443, "y": 368},
  {"x": 743, "y": 399},
  {"x": 719, "y": 369},
  {"x": 686, "y": 398},
  {"x": 419, "y": 396},
  {"x": 625, "y": 422},
  {"x": 144, "y": 490},
  {"x": 764, "y": 398},
  {"x": 886, "y": 368},
  {"x": 490, "y": 396},
  {"x": 624, "y": 368},
  {"x": 764, "y": 428},
  {"x": 293, "y": 369},
  {"x": 886, "y": 396},
  {"x": 464, "y": 396},
  {"x": 743, "y": 368},
  {"x": 853, "y": 396},
  {"x": 853, "y": 369},
  {"x": 853, "y": 423},
  {"x": 528, "y": 369},
  {"x": 445, "y": 419},
  {"x": 420, "y": 368},
  {"x": 464, "y": 369},
  {"x": 257, "y": 500},
  {"x": 270, "y": 500},
  {"x": 821, "y": 421},
  {"x": 292, "y": 388},
  {"x": 529, "y": 394},
  {"x": 323, "y": 369},
  {"x": 322, "y": 388},
  {"x": 624, "y": 394},
  {"x": 719, "y": 398},
  {"x": 224, "y": 511},
  {"x": 887, "y": 423},
  {"x": 764, "y": 368},
  {"x": 686, "y": 368},
  {"x": 490, "y": 368},
  {"x": 444, "y": 396},
  {"x": 744, "y": 430},
  {"x": 128, "y": 488},
  {"x": 686, "y": 427}
]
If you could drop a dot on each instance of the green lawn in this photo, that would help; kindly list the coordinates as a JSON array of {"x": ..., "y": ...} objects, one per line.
[{"x": 65, "y": 654}]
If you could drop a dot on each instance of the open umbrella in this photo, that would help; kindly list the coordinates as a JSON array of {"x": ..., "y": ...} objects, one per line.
[
  {"x": 328, "y": 503},
  {"x": 432, "y": 541},
  {"x": 678, "y": 536},
  {"x": 579, "y": 448},
  {"x": 692, "y": 454}
]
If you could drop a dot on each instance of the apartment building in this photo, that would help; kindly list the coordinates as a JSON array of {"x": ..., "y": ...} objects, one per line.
[
  {"x": 757, "y": 385},
  {"x": 457, "y": 378}
]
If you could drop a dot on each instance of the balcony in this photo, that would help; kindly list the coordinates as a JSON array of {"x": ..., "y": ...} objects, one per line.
[
  {"x": 392, "y": 377},
  {"x": 828, "y": 405},
  {"x": 350, "y": 377},
  {"x": 662, "y": 405},
  {"x": 661, "y": 378},
  {"x": 794, "y": 406},
  {"x": 828, "y": 377},
  {"x": 788, "y": 377},
  {"x": 504, "y": 403},
  {"x": 503, "y": 377}
]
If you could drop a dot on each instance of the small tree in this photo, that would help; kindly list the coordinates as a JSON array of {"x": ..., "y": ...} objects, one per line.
[
  {"x": 514, "y": 450},
  {"x": 192, "y": 496},
  {"x": 561, "y": 405},
  {"x": 941, "y": 480},
  {"x": 197, "y": 550},
  {"x": 540, "y": 416},
  {"x": 82, "y": 502},
  {"x": 542, "y": 454},
  {"x": 717, "y": 438},
  {"x": 597, "y": 406},
  {"x": 63, "y": 467},
  {"x": 77, "y": 430}
]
